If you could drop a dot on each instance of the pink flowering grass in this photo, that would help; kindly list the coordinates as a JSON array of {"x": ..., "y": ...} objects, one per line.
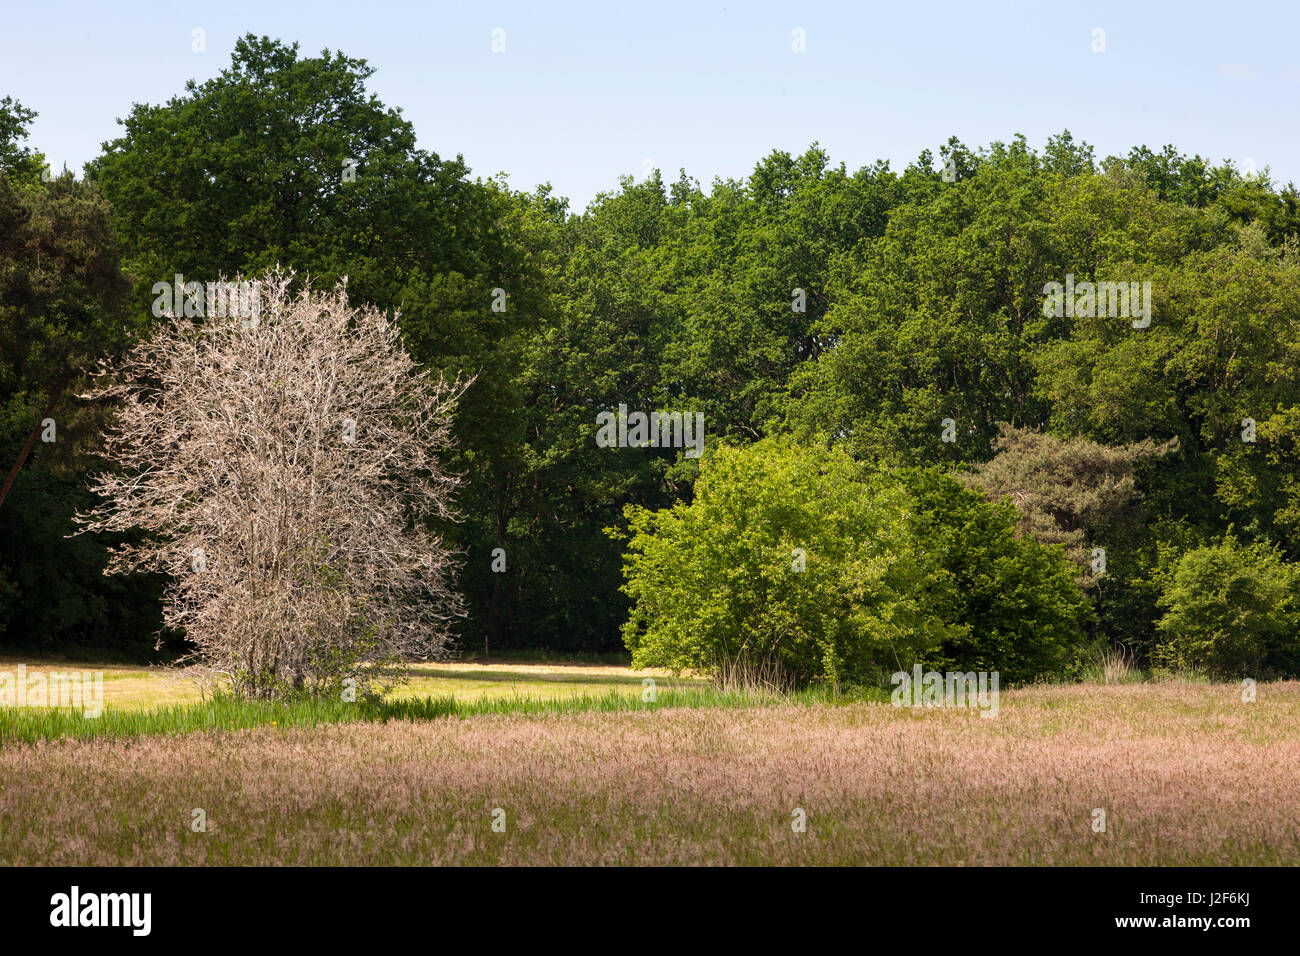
[{"x": 1187, "y": 774}]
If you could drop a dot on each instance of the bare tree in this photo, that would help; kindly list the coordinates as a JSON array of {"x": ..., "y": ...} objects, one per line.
[{"x": 284, "y": 471}]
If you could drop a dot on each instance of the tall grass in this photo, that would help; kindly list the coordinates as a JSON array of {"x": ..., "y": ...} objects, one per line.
[
  {"x": 745, "y": 675},
  {"x": 1188, "y": 775},
  {"x": 224, "y": 712},
  {"x": 1114, "y": 665},
  {"x": 1118, "y": 665}
]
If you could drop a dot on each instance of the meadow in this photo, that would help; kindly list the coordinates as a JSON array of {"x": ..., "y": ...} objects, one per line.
[
  {"x": 161, "y": 700},
  {"x": 285, "y": 391},
  {"x": 1186, "y": 773},
  {"x": 137, "y": 687}
]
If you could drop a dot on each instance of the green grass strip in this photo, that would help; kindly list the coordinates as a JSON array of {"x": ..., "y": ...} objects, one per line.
[{"x": 29, "y": 725}]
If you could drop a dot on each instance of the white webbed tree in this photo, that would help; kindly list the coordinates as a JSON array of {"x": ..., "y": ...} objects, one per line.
[{"x": 284, "y": 472}]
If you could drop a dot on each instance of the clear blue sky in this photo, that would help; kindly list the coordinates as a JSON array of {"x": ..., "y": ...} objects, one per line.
[{"x": 587, "y": 91}]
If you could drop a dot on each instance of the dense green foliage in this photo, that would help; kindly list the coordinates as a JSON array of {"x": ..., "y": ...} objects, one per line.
[
  {"x": 63, "y": 305},
  {"x": 1231, "y": 611},
  {"x": 1011, "y": 603},
  {"x": 801, "y": 563},
  {"x": 878, "y": 317},
  {"x": 787, "y": 557}
]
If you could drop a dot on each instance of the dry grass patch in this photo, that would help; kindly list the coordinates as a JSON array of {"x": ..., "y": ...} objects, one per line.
[{"x": 136, "y": 688}]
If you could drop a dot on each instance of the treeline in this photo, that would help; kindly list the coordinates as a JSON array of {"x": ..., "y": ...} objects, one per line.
[{"x": 901, "y": 319}]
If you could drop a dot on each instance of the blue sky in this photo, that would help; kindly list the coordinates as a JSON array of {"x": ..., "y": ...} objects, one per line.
[{"x": 585, "y": 92}]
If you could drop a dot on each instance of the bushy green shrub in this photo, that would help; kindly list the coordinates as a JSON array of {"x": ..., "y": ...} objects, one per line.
[
  {"x": 1230, "y": 610},
  {"x": 1011, "y": 604},
  {"x": 788, "y": 557},
  {"x": 802, "y": 560}
]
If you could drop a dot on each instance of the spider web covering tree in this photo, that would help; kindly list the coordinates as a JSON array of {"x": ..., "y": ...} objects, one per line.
[{"x": 285, "y": 470}]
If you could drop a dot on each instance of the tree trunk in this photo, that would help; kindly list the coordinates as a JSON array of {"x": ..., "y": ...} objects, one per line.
[{"x": 31, "y": 440}]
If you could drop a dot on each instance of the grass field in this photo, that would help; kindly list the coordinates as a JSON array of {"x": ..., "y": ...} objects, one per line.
[
  {"x": 134, "y": 688},
  {"x": 132, "y": 702},
  {"x": 1186, "y": 774}
]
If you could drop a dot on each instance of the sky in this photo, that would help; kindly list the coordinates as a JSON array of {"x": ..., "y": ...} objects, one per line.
[{"x": 584, "y": 93}]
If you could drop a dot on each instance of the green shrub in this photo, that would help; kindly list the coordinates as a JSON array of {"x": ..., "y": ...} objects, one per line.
[
  {"x": 792, "y": 559},
  {"x": 1011, "y": 604},
  {"x": 897, "y": 567},
  {"x": 1230, "y": 610}
]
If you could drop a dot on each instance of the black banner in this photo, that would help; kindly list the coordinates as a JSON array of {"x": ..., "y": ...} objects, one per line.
[{"x": 948, "y": 906}]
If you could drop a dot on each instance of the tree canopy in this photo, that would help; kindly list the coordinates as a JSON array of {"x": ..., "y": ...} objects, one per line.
[{"x": 892, "y": 323}]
